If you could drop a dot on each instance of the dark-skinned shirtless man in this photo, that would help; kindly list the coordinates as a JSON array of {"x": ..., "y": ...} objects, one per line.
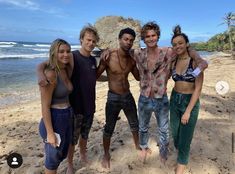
[{"x": 118, "y": 67}]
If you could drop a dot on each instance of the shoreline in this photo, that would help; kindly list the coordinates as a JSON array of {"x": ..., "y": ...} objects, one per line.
[
  {"x": 210, "y": 149},
  {"x": 23, "y": 89}
]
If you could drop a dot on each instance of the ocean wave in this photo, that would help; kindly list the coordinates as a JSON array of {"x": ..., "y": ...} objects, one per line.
[
  {"x": 8, "y": 43},
  {"x": 6, "y": 46},
  {"x": 27, "y": 45},
  {"x": 26, "y": 56},
  {"x": 43, "y": 45},
  {"x": 75, "y": 46},
  {"x": 41, "y": 49}
]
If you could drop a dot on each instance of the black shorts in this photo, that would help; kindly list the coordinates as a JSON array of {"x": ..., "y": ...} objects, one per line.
[{"x": 81, "y": 126}]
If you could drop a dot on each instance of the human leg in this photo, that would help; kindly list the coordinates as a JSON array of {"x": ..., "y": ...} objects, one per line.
[
  {"x": 70, "y": 159},
  {"x": 186, "y": 135},
  {"x": 61, "y": 119},
  {"x": 112, "y": 110},
  {"x": 130, "y": 111},
  {"x": 145, "y": 111},
  {"x": 47, "y": 171},
  {"x": 76, "y": 128},
  {"x": 85, "y": 129},
  {"x": 83, "y": 150},
  {"x": 175, "y": 118},
  {"x": 180, "y": 168},
  {"x": 185, "y": 132},
  {"x": 161, "y": 113}
]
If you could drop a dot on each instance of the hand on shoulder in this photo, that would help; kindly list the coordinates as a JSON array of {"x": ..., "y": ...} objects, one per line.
[{"x": 51, "y": 76}]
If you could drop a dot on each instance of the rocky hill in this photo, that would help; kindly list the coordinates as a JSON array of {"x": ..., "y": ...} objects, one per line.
[{"x": 109, "y": 28}]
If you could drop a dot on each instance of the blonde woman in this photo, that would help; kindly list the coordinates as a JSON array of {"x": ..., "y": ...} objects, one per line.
[{"x": 55, "y": 125}]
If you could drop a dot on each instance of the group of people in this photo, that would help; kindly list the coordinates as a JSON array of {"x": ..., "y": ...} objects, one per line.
[{"x": 67, "y": 83}]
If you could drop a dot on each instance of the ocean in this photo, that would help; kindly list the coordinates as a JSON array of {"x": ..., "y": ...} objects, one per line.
[{"x": 18, "y": 61}]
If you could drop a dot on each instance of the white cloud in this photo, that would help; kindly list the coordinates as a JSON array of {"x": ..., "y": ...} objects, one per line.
[
  {"x": 25, "y": 4},
  {"x": 31, "y": 5},
  {"x": 49, "y": 30},
  {"x": 58, "y": 12}
]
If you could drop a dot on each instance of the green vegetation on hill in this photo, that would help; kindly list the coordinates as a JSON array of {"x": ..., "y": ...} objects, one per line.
[{"x": 219, "y": 42}]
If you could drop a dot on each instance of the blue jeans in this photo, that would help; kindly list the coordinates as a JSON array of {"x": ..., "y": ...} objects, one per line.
[
  {"x": 115, "y": 103},
  {"x": 160, "y": 107}
]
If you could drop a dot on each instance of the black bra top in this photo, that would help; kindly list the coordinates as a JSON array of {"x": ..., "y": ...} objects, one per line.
[{"x": 187, "y": 76}]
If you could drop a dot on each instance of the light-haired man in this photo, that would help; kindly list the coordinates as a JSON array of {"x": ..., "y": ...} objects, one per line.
[{"x": 82, "y": 99}]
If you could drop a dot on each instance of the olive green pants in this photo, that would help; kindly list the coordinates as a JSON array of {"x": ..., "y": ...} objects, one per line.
[{"x": 182, "y": 134}]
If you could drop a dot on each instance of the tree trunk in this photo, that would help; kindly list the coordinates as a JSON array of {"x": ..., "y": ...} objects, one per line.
[{"x": 231, "y": 42}]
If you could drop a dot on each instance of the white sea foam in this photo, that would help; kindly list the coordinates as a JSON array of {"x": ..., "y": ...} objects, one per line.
[
  {"x": 41, "y": 49},
  {"x": 27, "y": 45},
  {"x": 10, "y": 43},
  {"x": 43, "y": 45},
  {"x": 6, "y": 46},
  {"x": 75, "y": 46},
  {"x": 27, "y": 56}
]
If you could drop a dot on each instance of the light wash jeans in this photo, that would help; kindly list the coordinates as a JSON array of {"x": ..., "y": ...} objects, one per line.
[{"x": 160, "y": 107}]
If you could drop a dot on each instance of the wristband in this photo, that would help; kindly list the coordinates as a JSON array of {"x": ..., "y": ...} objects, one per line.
[{"x": 196, "y": 72}]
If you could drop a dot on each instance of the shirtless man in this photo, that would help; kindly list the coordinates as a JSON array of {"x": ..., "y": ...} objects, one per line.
[
  {"x": 154, "y": 65},
  {"x": 118, "y": 67}
]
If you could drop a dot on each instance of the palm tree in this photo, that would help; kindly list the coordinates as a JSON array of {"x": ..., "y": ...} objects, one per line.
[{"x": 229, "y": 20}]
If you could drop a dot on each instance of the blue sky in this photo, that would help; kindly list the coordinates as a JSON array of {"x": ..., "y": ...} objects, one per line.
[{"x": 45, "y": 20}]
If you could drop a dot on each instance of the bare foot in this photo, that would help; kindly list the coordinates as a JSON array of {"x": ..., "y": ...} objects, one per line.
[
  {"x": 149, "y": 151},
  {"x": 163, "y": 154},
  {"x": 143, "y": 154},
  {"x": 163, "y": 160},
  {"x": 106, "y": 162},
  {"x": 180, "y": 169},
  {"x": 138, "y": 147},
  {"x": 70, "y": 169},
  {"x": 84, "y": 159}
]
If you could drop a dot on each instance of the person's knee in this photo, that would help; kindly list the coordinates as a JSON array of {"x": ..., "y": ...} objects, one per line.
[
  {"x": 85, "y": 135},
  {"x": 86, "y": 126},
  {"x": 53, "y": 157},
  {"x": 108, "y": 131},
  {"x": 76, "y": 128},
  {"x": 85, "y": 132},
  {"x": 134, "y": 126},
  {"x": 143, "y": 125},
  {"x": 163, "y": 130},
  {"x": 143, "y": 129}
]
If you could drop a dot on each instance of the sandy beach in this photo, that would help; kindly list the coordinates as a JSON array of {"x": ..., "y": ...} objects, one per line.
[{"x": 211, "y": 148}]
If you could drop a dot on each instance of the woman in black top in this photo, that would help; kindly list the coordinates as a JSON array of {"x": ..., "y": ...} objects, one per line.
[{"x": 184, "y": 102}]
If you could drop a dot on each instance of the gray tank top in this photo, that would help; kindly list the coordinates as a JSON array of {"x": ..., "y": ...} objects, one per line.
[{"x": 60, "y": 93}]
